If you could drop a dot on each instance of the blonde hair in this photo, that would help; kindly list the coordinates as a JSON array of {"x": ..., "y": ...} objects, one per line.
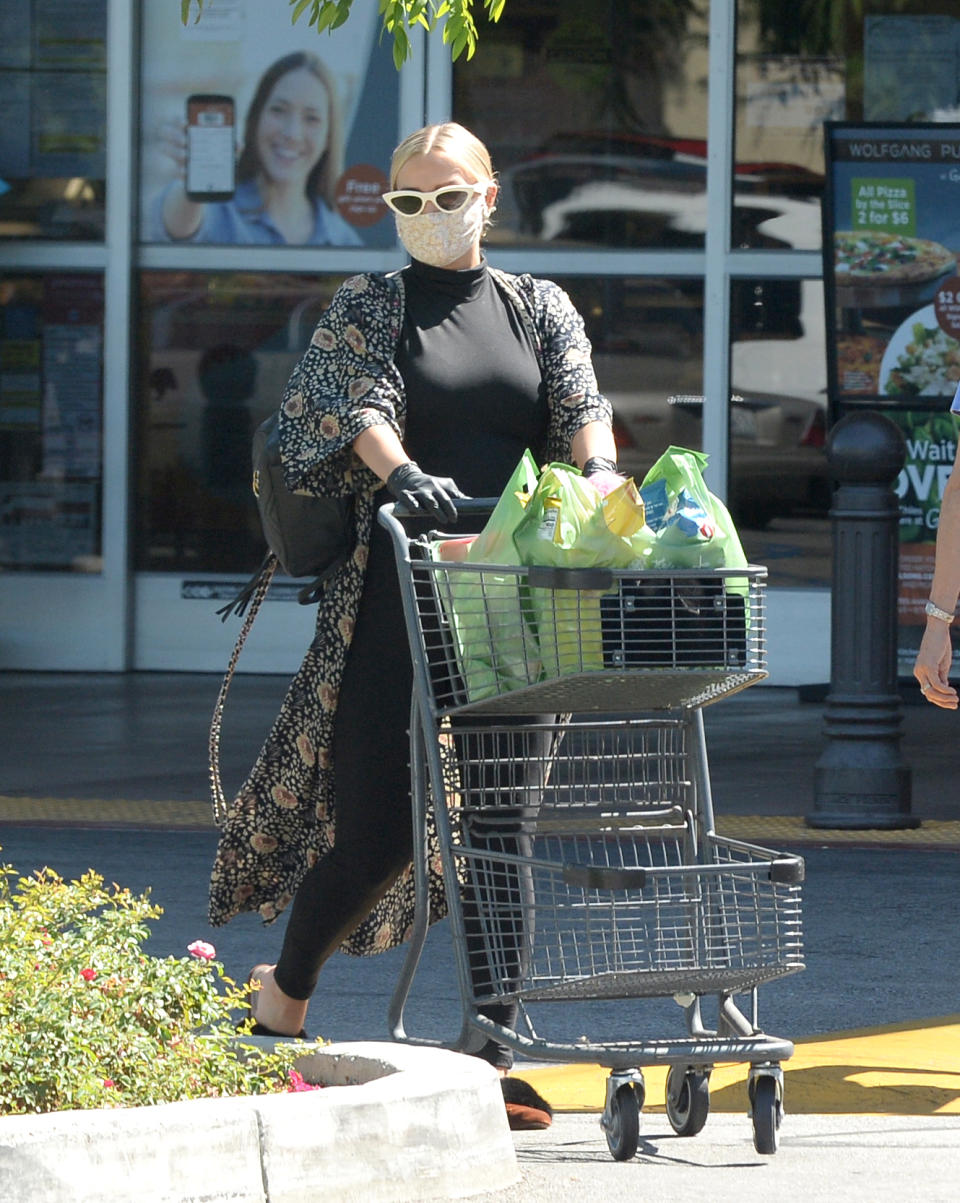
[{"x": 450, "y": 139}]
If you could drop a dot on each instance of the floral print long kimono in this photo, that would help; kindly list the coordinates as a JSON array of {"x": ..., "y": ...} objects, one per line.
[{"x": 283, "y": 818}]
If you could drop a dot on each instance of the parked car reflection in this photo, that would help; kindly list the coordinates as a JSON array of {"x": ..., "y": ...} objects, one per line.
[{"x": 643, "y": 191}]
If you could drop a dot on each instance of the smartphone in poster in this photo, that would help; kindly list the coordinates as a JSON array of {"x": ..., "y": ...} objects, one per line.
[
  {"x": 891, "y": 246},
  {"x": 211, "y": 154},
  {"x": 255, "y": 131}
]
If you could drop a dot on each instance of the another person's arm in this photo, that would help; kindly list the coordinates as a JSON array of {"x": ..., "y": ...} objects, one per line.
[{"x": 932, "y": 666}]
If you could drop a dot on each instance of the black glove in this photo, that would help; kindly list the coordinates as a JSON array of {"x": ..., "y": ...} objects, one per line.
[
  {"x": 424, "y": 494},
  {"x": 599, "y": 463}
]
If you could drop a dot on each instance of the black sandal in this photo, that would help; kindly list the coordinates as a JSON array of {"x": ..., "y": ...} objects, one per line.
[
  {"x": 527, "y": 1111},
  {"x": 261, "y": 1029}
]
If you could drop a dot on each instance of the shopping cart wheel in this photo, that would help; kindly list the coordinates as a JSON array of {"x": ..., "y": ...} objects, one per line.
[
  {"x": 688, "y": 1099},
  {"x": 766, "y": 1113},
  {"x": 622, "y": 1125}
]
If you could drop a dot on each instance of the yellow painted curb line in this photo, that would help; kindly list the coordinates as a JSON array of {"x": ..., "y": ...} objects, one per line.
[
  {"x": 900, "y": 1069},
  {"x": 767, "y": 830},
  {"x": 792, "y": 830},
  {"x": 100, "y": 812}
]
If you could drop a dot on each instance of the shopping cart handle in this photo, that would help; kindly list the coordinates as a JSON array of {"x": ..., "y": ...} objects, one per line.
[
  {"x": 788, "y": 870},
  {"x": 595, "y": 877},
  {"x": 465, "y": 505},
  {"x": 541, "y": 577}
]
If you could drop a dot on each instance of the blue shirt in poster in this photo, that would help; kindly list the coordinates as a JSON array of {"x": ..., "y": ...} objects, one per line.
[{"x": 242, "y": 220}]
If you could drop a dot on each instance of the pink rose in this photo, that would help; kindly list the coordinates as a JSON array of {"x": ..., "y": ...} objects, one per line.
[
  {"x": 297, "y": 1083},
  {"x": 88, "y": 975},
  {"x": 202, "y": 950}
]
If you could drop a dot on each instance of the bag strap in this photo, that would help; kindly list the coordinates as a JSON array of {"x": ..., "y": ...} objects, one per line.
[{"x": 253, "y": 593}]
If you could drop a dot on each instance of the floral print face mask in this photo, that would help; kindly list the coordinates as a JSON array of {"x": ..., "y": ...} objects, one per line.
[{"x": 439, "y": 238}]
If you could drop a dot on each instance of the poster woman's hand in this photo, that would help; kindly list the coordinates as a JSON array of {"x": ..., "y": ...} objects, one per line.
[{"x": 181, "y": 216}]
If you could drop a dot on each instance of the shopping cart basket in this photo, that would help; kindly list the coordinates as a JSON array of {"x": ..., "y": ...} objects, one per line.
[{"x": 557, "y": 729}]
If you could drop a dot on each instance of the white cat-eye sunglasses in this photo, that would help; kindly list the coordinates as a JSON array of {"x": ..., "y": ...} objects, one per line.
[{"x": 449, "y": 199}]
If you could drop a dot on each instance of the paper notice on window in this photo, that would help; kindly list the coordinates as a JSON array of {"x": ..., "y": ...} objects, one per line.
[
  {"x": 910, "y": 70},
  {"x": 20, "y": 386},
  {"x": 70, "y": 33},
  {"x": 72, "y": 372},
  {"x": 69, "y": 126},
  {"x": 48, "y": 524}
]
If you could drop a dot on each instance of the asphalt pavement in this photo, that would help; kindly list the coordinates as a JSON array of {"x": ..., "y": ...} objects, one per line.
[{"x": 110, "y": 772}]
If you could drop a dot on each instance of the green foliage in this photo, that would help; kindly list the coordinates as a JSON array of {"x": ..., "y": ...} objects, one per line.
[
  {"x": 87, "y": 1019},
  {"x": 398, "y": 17}
]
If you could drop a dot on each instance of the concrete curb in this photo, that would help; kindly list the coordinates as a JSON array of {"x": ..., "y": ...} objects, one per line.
[{"x": 404, "y": 1123}]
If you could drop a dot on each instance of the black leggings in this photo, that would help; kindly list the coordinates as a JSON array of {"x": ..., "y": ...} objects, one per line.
[
  {"x": 374, "y": 841},
  {"x": 371, "y": 756}
]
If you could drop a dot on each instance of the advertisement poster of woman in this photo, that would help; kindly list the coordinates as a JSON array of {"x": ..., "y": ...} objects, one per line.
[{"x": 254, "y": 133}]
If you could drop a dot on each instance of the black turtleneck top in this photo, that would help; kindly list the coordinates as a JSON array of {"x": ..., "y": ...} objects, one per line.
[{"x": 475, "y": 398}]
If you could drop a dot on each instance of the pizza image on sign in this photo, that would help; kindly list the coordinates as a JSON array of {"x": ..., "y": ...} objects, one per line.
[{"x": 871, "y": 257}]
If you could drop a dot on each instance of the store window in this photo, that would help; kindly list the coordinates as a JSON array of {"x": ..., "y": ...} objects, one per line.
[
  {"x": 217, "y": 350},
  {"x": 779, "y": 491},
  {"x": 791, "y": 76},
  {"x": 801, "y": 64},
  {"x": 255, "y": 131},
  {"x": 647, "y": 337},
  {"x": 51, "y": 377},
  {"x": 53, "y": 97},
  {"x": 595, "y": 114}
]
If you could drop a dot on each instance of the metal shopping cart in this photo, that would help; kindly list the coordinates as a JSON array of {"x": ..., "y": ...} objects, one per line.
[{"x": 557, "y": 732}]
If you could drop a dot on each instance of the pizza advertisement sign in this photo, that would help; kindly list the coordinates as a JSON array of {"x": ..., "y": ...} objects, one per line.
[{"x": 891, "y": 244}]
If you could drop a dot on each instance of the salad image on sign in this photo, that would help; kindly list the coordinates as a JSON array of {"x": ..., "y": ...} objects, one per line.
[{"x": 922, "y": 358}]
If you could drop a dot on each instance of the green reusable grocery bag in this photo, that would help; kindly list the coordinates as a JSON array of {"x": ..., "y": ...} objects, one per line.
[
  {"x": 567, "y": 524},
  {"x": 489, "y": 612},
  {"x": 688, "y": 527}
]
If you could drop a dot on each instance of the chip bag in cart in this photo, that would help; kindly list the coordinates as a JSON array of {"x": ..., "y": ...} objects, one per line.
[{"x": 567, "y": 523}]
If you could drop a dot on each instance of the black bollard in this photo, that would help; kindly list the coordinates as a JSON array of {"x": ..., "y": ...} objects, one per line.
[{"x": 861, "y": 779}]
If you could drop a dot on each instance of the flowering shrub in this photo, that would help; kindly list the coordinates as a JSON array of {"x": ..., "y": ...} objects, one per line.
[{"x": 87, "y": 1019}]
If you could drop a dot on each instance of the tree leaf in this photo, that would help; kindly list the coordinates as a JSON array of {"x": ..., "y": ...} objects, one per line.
[
  {"x": 398, "y": 55},
  {"x": 324, "y": 17}
]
